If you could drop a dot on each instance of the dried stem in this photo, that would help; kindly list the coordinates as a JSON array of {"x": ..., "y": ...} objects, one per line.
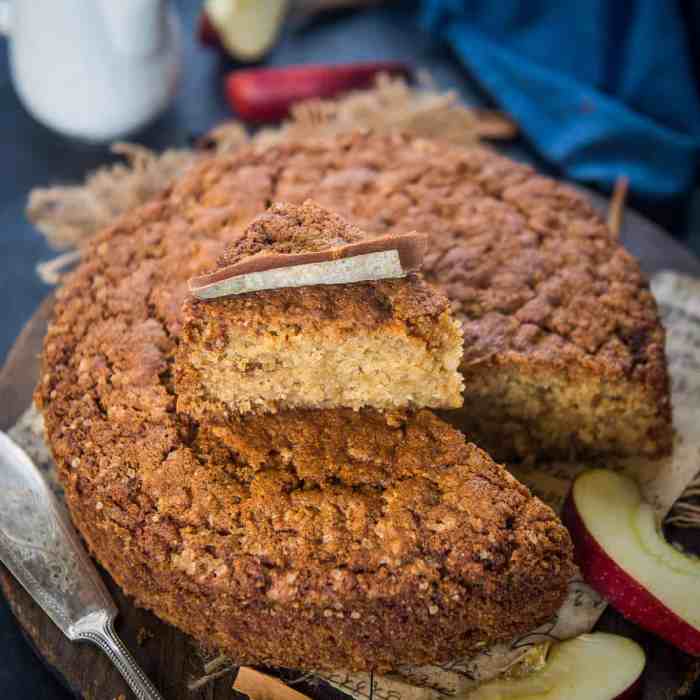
[
  {"x": 616, "y": 211},
  {"x": 209, "y": 678},
  {"x": 217, "y": 663},
  {"x": 686, "y": 510}
]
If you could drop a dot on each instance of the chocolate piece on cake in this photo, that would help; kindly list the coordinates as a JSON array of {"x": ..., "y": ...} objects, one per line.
[
  {"x": 384, "y": 343},
  {"x": 387, "y": 257}
]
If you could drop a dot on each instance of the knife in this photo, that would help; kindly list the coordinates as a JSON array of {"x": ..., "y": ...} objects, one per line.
[{"x": 39, "y": 545}]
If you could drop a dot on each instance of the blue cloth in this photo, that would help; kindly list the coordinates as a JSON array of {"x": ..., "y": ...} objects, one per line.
[{"x": 600, "y": 88}]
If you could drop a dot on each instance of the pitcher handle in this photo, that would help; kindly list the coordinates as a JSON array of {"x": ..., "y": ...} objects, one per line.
[{"x": 5, "y": 17}]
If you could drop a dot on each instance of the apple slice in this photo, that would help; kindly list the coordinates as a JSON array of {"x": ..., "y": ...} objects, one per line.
[
  {"x": 246, "y": 29},
  {"x": 597, "y": 666},
  {"x": 267, "y": 94},
  {"x": 624, "y": 556}
]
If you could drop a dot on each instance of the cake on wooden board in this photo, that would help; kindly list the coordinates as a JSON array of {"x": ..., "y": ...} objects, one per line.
[
  {"x": 263, "y": 534},
  {"x": 384, "y": 343}
]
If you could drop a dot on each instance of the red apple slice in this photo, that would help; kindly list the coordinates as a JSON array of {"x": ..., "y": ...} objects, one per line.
[
  {"x": 624, "y": 556},
  {"x": 597, "y": 666},
  {"x": 266, "y": 94}
]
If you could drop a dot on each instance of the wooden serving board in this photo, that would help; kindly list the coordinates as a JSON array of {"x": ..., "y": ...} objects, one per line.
[{"x": 169, "y": 657}]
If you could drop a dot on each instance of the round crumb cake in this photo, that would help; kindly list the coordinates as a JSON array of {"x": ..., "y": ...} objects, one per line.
[{"x": 350, "y": 540}]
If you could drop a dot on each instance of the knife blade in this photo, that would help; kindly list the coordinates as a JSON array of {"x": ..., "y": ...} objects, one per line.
[{"x": 42, "y": 550}]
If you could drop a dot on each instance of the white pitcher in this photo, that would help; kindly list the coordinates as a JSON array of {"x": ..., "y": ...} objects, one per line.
[{"x": 93, "y": 69}]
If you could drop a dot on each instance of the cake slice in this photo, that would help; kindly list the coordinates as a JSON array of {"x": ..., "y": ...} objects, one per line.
[
  {"x": 307, "y": 311},
  {"x": 363, "y": 541}
]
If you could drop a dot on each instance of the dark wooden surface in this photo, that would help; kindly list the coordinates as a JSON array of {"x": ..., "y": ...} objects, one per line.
[{"x": 169, "y": 657}]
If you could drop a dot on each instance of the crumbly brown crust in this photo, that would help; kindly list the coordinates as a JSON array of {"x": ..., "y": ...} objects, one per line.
[
  {"x": 288, "y": 229},
  {"x": 366, "y": 305}
]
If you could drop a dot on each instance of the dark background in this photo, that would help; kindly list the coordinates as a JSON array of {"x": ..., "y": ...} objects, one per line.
[{"x": 31, "y": 156}]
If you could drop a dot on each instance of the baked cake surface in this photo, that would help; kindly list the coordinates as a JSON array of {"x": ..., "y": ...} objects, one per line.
[
  {"x": 311, "y": 539},
  {"x": 384, "y": 344}
]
